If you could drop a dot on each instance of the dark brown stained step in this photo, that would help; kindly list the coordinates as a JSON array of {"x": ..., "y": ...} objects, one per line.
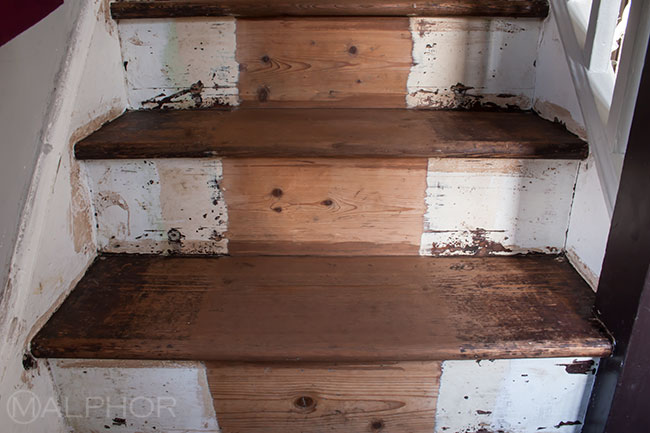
[
  {"x": 310, "y": 133},
  {"x": 325, "y": 309},
  {"x": 271, "y": 8}
]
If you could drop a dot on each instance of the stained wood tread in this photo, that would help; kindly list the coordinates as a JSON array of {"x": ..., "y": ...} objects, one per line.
[
  {"x": 269, "y": 8},
  {"x": 391, "y": 133},
  {"x": 305, "y": 308}
]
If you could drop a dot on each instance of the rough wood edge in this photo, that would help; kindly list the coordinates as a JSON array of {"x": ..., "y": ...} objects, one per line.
[{"x": 252, "y": 8}]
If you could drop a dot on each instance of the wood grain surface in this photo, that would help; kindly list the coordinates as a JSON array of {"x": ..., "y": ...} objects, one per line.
[
  {"x": 311, "y": 62},
  {"x": 325, "y": 206},
  {"x": 311, "y": 133},
  {"x": 312, "y": 398},
  {"x": 335, "y": 309},
  {"x": 257, "y": 8}
]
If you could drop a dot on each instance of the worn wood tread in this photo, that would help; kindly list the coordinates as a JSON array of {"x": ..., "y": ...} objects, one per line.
[
  {"x": 269, "y": 8},
  {"x": 304, "y": 133},
  {"x": 325, "y": 309}
]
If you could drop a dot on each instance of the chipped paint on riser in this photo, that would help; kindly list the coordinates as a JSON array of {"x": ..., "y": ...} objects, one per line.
[
  {"x": 515, "y": 395},
  {"x": 135, "y": 396},
  {"x": 469, "y": 62},
  {"x": 159, "y": 206},
  {"x": 474, "y": 206},
  {"x": 497, "y": 206},
  {"x": 164, "y": 61},
  {"x": 457, "y": 62}
]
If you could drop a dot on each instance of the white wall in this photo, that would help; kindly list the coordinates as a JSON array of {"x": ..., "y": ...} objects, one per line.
[
  {"x": 589, "y": 225},
  {"x": 61, "y": 80},
  {"x": 555, "y": 99},
  {"x": 29, "y": 65}
]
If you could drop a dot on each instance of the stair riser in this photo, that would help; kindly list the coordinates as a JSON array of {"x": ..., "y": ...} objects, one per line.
[
  {"x": 335, "y": 62},
  {"x": 517, "y": 396},
  {"x": 331, "y": 206}
]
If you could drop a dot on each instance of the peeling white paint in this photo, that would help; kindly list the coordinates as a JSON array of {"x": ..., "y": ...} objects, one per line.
[
  {"x": 492, "y": 59},
  {"x": 513, "y": 395},
  {"x": 159, "y": 206},
  {"x": 135, "y": 396},
  {"x": 164, "y": 58},
  {"x": 497, "y": 206}
]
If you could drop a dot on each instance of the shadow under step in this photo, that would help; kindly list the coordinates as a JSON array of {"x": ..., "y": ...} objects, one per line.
[
  {"x": 257, "y": 8},
  {"x": 311, "y": 133},
  {"x": 325, "y": 309}
]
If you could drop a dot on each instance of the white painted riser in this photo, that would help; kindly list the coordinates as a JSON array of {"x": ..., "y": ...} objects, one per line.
[
  {"x": 495, "y": 57},
  {"x": 522, "y": 205},
  {"x": 138, "y": 202},
  {"x": 515, "y": 396}
]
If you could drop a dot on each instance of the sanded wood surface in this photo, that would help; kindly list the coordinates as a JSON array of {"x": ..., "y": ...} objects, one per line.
[
  {"x": 325, "y": 206},
  {"x": 259, "y": 8},
  {"x": 356, "y": 309},
  {"x": 344, "y": 62},
  {"x": 305, "y": 133},
  {"x": 311, "y": 397}
]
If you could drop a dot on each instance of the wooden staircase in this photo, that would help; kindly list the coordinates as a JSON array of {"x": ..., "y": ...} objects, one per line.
[{"x": 293, "y": 235}]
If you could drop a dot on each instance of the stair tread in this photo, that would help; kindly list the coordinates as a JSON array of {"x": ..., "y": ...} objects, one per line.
[
  {"x": 284, "y": 132},
  {"x": 266, "y": 308},
  {"x": 257, "y": 8}
]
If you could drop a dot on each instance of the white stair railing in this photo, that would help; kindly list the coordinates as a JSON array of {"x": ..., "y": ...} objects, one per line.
[{"x": 606, "y": 94}]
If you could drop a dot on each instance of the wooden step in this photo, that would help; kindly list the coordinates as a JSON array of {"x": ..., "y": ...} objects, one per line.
[
  {"x": 256, "y": 8},
  {"x": 325, "y": 309},
  {"x": 311, "y": 133}
]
